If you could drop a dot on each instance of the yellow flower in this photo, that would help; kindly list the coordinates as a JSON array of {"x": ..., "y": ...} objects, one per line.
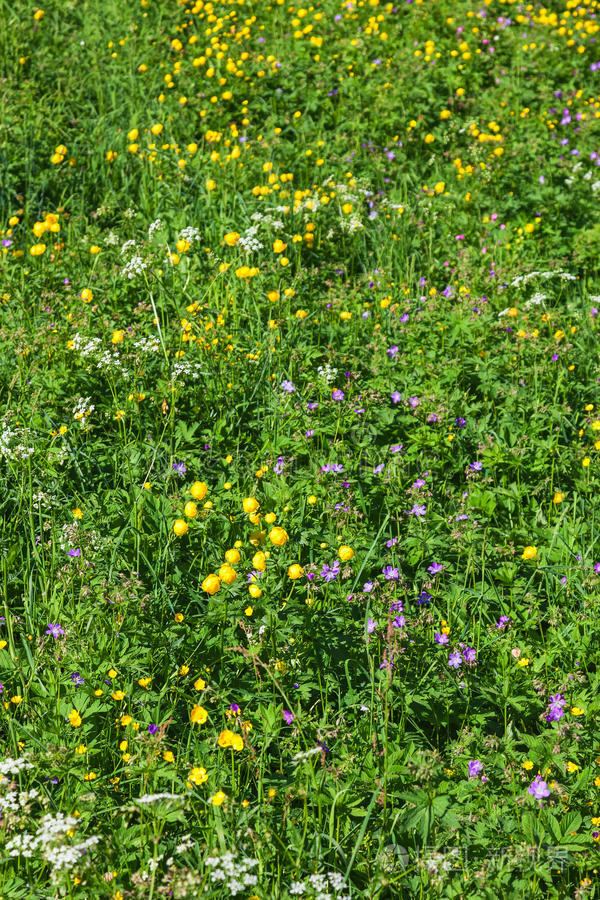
[
  {"x": 577, "y": 711},
  {"x": 156, "y": 128},
  {"x": 2, "y": 645},
  {"x": 225, "y": 738},
  {"x": 524, "y": 661},
  {"x": 112, "y": 673},
  {"x": 168, "y": 756},
  {"x": 77, "y": 513},
  {"x": 198, "y": 490},
  {"x": 118, "y": 695},
  {"x": 295, "y": 571},
  {"x": 94, "y": 249},
  {"x": 345, "y": 553},
  {"x": 190, "y": 509},
  {"x": 259, "y": 561},
  {"x": 250, "y": 505},
  {"x": 37, "y": 249},
  {"x": 529, "y": 553},
  {"x": 278, "y": 536},
  {"x": 558, "y": 497},
  {"x": 90, "y": 776},
  {"x": 254, "y": 591},
  {"x": 198, "y": 715},
  {"x": 572, "y": 767},
  {"x": 74, "y": 718},
  {"x": 585, "y": 461},
  {"x": 528, "y": 765},
  {"x": 198, "y": 775},
  {"x": 248, "y": 611},
  {"x": 118, "y": 336},
  {"x": 218, "y": 798},
  {"x": 227, "y": 574},
  {"x": 211, "y": 584},
  {"x": 184, "y": 670},
  {"x": 199, "y": 684},
  {"x": 180, "y": 526},
  {"x": 178, "y": 617},
  {"x": 233, "y": 556},
  {"x": 81, "y": 749},
  {"x": 125, "y": 721},
  {"x": 231, "y": 238},
  {"x": 237, "y": 742},
  {"x": 279, "y": 246}
]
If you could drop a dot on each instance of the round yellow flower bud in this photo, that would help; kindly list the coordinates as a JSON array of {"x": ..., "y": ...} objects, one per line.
[
  {"x": 295, "y": 571},
  {"x": 227, "y": 574},
  {"x": 254, "y": 591},
  {"x": 233, "y": 556},
  {"x": 270, "y": 518},
  {"x": 278, "y": 536},
  {"x": 198, "y": 490},
  {"x": 529, "y": 553},
  {"x": 190, "y": 509},
  {"x": 259, "y": 561},
  {"x": 211, "y": 584},
  {"x": 345, "y": 553},
  {"x": 180, "y": 526},
  {"x": 250, "y": 505}
]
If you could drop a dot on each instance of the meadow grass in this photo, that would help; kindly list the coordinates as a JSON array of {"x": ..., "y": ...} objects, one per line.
[{"x": 299, "y": 434}]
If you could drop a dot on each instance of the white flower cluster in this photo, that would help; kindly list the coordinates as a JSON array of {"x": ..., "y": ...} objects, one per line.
[
  {"x": 49, "y": 838},
  {"x": 157, "y": 798},
  {"x": 154, "y": 226},
  {"x": 536, "y": 299},
  {"x": 249, "y": 240},
  {"x": 147, "y": 345},
  {"x": 320, "y": 887},
  {"x": 189, "y": 234},
  {"x": 235, "y": 874},
  {"x": 327, "y": 372},
  {"x": 16, "y": 800},
  {"x": 523, "y": 279},
  {"x": 127, "y": 246},
  {"x": 185, "y": 370},
  {"x": 135, "y": 266},
  {"x": 11, "y": 766},
  {"x": 83, "y": 409},
  {"x": 12, "y": 444}
]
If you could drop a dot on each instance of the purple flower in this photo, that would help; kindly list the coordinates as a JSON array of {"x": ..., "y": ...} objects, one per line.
[
  {"x": 179, "y": 468},
  {"x": 337, "y": 394},
  {"x": 432, "y": 418},
  {"x": 76, "y": 678},
  {"x": 288, "y": 716},
  {"x": 396, "y": 397},
  {"x": 395, "y": 448},
  {"x": 330, "y": 573},
  {"x": 310, "y": 432},
  {"x": 454, "y": 660},
  {"x": 556, "y": 705},
  {"x": 418, "y": 484},
  {"x": 392, "y": 352},
  {"x": 371, "y": 626},
  {"x": 288, "y": 387},
  {"x": 55, "y": 630},
  {"x": 417, "y": 510},
  {"x": 475, "y": 767},
  {"x": 405, "y": 317},
  {"x": 368, "y": 587},
  {"x": 234, "y": 708},
  {"x": 476, "y": 466},
  {"x": 502, "y": 622},
  {"x": 397, "y": 606},
  {"x": 538, "y": 788},
  {"x": 7, "y": 242},
  {"x": 391, "y": 543},
  {"x": 414, "y": 402},
  {"x": 378, "y": 469},
  {"x": 423, "y": 597},
  {"x": 332, "y": 467},
  {"x": 399, "y": 622},
  {"x": 460, "y": 422},
  {"x": 75, "y": 552},
  {"x": 152, "y": 729},
  {"x": 280, "y": 464},
  {"x": 441, "y": 638},
  {"x": 469, "y": 654},
  {"x": 434, "y": 568},
  {"x": 312, "y": 405},
  {"x": 390, "y": 573},
  {"x": 597, "y": 568}
]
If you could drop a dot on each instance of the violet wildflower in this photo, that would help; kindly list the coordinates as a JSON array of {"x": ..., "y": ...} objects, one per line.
[
  {"x": 337, "y": 395},
  {"x": 399, "y": 622},
  {"x": 330, "y": 573},
  {"x": 395, "y": 448},
  {"x": 287, "y": 387},
  {"x": 417, "y": 510},
  {"x": 454, "y": 660},
  {"x": 55, "y": 630},
  {"x": 556, "y": 705},
  {"x": 469, "y": 655},
  {"x": 75, "y": 552},
  {"x": 423, "y": 597},
  {"x": 152, "y": 728},
  {"x": 368, "y": 587},
  {"x": 179, "y": 468},
  {"x": 414, "y": 402},
  {"x": 76, "y": 678},
  {"x": 288, "y": 716},
  {"x": 392, "y": 352},
  {"x": 502, "y": 622},
  {"x": 371, "y": 626},
  {"x": 378, "y": 469},
  {"x": 441, "y": 638},
  {"x": 460, "y": 422},
  {"x": 538, "y": 788},
  {"x": 475, "y": 767},
  {"x": 434, "y": 568},
  {"x": 476, "y": 466},
  {"x": 390, "y": 573},
  {"x": 396, "y": 397}
]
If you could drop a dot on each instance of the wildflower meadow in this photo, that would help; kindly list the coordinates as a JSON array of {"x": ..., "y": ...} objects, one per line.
[{"x": 299, "y": 449}]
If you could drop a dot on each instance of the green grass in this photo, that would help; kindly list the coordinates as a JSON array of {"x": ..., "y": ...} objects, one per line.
[{"x": 345, "y": 266}]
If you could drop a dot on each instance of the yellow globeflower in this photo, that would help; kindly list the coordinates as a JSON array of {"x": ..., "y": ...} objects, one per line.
[
  {"x": 180, "y": 526},
  {"x": 529, "y": 553},
  {"x": 211, "y": 584},
  {"x": 198, "y": 715},
  {"x": 259, "y": 561},
  {"x": 227, "y": 574},
  {"x": 278, "y": 536},
  {"x": 86, "y": 295},
  {"x": 250, "y": 504},
  {"x": 345, "y": 553},
  {"x": 190, "y": 509},
  {"x": 558, "y": 497},
  {"x": 254, "y": 591},
  {"x": 37, "y": 249},
  {"x": 295, "y": 571},
  {"x": 225, "y": 738},
  {"x": 231, "y": 238},
  {"x": 74, "y": 718},
  {"x": 233, "y": 556},
  {"x": 237, "y": 742},
  {"x": 218, "y": 798},
  {"x": 198, "y": 490}
]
